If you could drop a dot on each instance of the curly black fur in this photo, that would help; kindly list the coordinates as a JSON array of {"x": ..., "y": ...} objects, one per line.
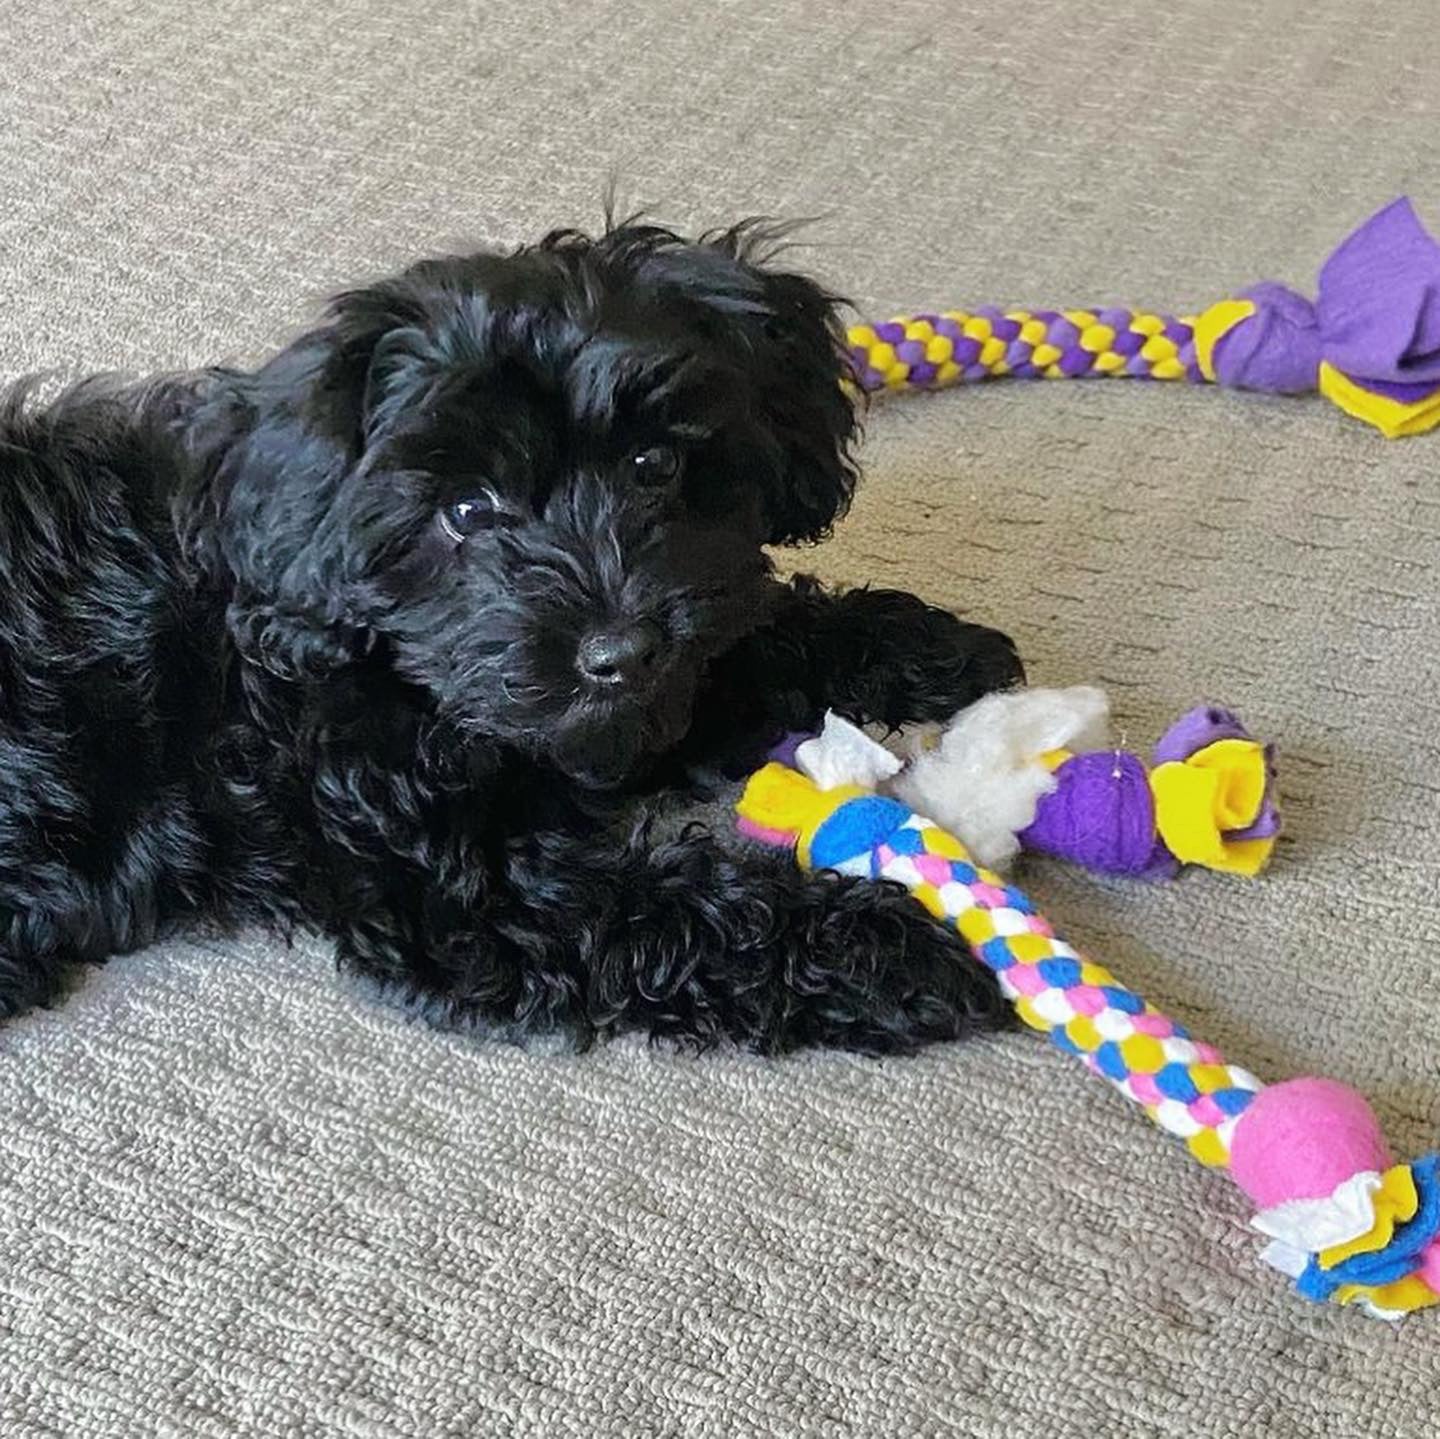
[{"x": 298, "y": 646}]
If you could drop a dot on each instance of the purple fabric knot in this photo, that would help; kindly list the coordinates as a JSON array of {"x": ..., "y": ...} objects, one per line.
[
  {"x": 1101, "y": 813},
  {"x": 1276, "y": 349},
  {"x": 1195, "y": 729},
  {"x": 1206, "y": 725},
  {"x": 783, "y": 750},
  {"x": 1379, "y": 301},
  {"x": 1376, "y": 317},
  {"x": 1062, "y": 333}
]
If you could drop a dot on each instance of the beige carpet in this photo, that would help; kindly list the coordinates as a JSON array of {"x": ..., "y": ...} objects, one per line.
[{"x": 237, "y": 1197}]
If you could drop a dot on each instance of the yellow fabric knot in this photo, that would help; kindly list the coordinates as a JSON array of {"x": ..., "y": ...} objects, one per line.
[
  {"x": 1395, "y": 1201},
  {"x": 1219, "y": 789},
  {"x": 780, "y": 798}
]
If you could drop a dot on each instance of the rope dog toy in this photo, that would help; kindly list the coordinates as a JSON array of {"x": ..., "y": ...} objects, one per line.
[
  {"x": 1370, "y": 341},
  {"x": 1344, "y": 1221}
]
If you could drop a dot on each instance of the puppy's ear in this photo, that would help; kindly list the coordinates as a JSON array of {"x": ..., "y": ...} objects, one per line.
[
  {"x": 796, "y": 346},
  {"x": 783, "y": 332},
  {"x": 802, "y": 361},
  {"x": 273, "y": 449}
]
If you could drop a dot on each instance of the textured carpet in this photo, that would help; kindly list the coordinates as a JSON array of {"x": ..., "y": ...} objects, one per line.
[{"x": 238, "y": 1197}]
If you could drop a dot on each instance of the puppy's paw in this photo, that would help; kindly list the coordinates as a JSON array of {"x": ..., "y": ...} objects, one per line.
[
  {"x": 973, "y": 662},
  {"x": 889, "y": 977},
  {"x": 921, "y": 663}
]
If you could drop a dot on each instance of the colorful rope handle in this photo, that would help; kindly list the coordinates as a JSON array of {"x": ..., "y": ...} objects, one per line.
[
  {"x": 1345, "y": 1222},
  {"x": 1370, "y": 342}
]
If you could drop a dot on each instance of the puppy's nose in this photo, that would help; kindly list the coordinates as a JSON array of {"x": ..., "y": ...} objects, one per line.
[{"x": 620, "y": 655}]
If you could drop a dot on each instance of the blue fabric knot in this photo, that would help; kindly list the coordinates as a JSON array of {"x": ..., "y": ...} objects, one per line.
[{"x": 1396, "y": 1259}]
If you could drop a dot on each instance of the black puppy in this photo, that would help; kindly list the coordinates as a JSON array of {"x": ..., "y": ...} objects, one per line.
[{"x": 387, "y": 636}]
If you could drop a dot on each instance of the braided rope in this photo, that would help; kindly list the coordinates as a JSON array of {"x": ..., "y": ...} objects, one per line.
[
  {"x": 933, "y": 352},
  {"x": 1346, "y": 1222},
  {"x": 1183, "y": 1084},
  {"x": 1356, "y": 343}
]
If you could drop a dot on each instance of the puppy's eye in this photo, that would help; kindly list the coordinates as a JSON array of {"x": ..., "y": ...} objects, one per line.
[
  {"x": 462, "y": 518},
  {"x": 657, "y": 464}
]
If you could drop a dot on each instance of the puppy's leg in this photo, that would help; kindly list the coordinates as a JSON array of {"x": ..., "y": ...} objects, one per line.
[
  {"x": 711, "y": 946},
  {"x": 871, "y": 655},
  {"x": 886, "y": 655},
  {"x": 691, "y": 943},
  {"x": 50, "y": 926}
]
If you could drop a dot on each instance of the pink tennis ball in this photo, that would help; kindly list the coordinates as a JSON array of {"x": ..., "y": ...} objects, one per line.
[{"x": 1302, "y": 1138}]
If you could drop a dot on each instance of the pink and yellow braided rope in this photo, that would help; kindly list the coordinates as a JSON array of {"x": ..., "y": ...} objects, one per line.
[{"x": 1183, "y": 1084}]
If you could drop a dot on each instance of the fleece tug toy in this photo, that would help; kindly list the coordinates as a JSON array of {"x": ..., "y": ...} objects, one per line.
[
  {"x": 1369, "y": 342},
  {"x": 1033, "y": 769},
  {"x": 1345, "y": 1221}
]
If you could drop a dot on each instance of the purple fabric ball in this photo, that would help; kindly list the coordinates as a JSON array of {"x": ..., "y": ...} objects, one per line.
[{"x": 1100, "y": 815}]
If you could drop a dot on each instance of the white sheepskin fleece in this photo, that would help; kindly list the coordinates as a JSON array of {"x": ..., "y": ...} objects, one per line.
[{"x": 982, "y": 776}]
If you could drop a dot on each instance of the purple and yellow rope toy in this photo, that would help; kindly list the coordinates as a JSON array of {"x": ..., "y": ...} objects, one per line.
[
  {"x": 1345, "y": 1221},
  {"x": 1370, "y": 341}
]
